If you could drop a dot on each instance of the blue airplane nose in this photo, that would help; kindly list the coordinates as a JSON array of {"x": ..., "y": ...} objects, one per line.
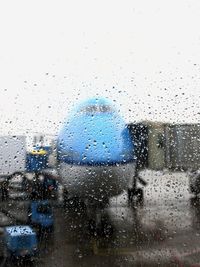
[{"x": 95, "y": 136}]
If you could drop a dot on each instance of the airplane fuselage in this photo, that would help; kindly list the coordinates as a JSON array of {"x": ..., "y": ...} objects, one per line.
[{"x": 95, "y": 152}]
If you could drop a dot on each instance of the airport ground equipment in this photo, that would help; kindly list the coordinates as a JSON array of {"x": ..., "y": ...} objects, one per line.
[
  {"x": 50, "y": 186},
  {"x": 135, "y": 193},
  {"x": 44, "y": 185},
  {"x": 12, "y": 160},
  {"x": 37, "y": 159},
  {"x": 40, "y": 214},
  {"x": 20, "y": 241}
]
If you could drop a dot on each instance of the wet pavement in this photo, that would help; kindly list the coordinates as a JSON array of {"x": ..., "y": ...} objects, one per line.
[{"x": 165, "y": 231}]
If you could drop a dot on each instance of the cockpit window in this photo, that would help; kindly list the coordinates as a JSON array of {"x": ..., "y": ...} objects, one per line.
[{"x": 96, "y": 109}]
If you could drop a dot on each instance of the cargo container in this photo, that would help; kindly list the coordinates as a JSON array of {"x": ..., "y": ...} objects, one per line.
[{"x": 20, "y": 241}]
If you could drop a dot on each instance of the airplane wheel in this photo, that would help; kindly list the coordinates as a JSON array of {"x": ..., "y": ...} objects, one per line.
[
  {"x": 74, "y": 204},
  {"x": 92, "y": 227},
  {"x": 106, "y": 229},
  {"x": 65, "y": 198}
]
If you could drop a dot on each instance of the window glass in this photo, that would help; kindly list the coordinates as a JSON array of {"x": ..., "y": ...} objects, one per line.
[{"x": 100, "y": 120}]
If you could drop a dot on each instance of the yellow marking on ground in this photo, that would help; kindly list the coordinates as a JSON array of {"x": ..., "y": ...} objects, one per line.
[{"x": 110, "y": 251}]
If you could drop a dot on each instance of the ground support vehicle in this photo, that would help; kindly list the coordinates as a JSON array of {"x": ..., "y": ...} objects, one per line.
[
  {"x": 40, "y": 214},
  {"x": 12, "y": 160},
  {"x": 20, "y": 242}
]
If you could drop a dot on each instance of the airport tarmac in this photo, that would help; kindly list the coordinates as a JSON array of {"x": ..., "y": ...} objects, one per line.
[{"x": 165, "y": 231}]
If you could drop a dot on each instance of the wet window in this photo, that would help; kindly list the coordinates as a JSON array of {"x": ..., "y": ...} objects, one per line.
[{"x": 100, "y": 133}]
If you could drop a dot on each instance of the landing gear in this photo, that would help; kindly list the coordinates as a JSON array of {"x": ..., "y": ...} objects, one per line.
[
  {"x": 92, "y": 210},
  {"x": 100, "y": 227},
  {"x": 98, "y": 220},
  {"x": 106, "y": 229},
  {"x": 136, "y": 194},
  {"x": 73, "y": 204}
]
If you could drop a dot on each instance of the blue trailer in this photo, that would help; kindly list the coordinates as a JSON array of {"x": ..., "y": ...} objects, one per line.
[
  {"x": 40, "y": 214},
  {"x": 20, "y": 241}
]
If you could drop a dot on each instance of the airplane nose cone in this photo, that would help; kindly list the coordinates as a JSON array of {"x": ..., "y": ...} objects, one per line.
[{"x": 97, "y": 139}]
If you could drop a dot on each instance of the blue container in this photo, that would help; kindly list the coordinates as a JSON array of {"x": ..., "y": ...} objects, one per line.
[
  {"x": 20, "y": 241},
  {"x": 40, "y": 214}
]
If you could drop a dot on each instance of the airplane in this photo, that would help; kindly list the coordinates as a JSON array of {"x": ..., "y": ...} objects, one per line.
[{"x": 95, "y": 155}]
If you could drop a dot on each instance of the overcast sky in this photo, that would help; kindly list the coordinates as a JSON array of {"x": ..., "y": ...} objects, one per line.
[{"x": 145, "y": 55}]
